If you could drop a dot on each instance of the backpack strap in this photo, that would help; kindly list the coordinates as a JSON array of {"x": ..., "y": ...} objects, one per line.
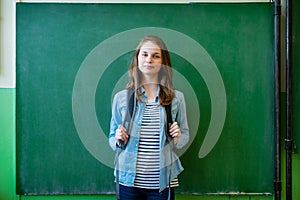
[
  {"x": 168, "y": 109},
  {"x": 129, "y": 113},
  {"x": 130, "y": 108}
]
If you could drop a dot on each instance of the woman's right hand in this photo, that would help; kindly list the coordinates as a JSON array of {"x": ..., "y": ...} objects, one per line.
[{"x": 121, "y": 134}]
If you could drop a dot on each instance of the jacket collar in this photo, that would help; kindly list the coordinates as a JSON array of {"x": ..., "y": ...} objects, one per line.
[{"x": 144, "y": 97}]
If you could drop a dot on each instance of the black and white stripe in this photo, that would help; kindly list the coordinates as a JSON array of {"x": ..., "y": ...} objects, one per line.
[
  {"x": 148, "y": 160},
  {"x": 147, "y": 168}
]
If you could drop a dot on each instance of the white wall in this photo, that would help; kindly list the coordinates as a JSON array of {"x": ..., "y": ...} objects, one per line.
[{"x": 7, "y": 44}]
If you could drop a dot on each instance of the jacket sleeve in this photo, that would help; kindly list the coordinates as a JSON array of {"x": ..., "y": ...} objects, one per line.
[
  {"x": 116, "y": 119},
  {"x": 181, "y": 119}
]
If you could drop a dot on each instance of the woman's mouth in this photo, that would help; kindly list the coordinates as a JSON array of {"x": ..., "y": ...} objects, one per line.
[{"x": 149, "y": 66}]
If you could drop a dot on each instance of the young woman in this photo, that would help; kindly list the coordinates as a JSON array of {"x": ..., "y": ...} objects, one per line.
[{"x": 147, "y": 166}]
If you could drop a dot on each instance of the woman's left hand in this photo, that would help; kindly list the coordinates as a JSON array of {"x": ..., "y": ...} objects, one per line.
[{"x": 175, "y": 132}]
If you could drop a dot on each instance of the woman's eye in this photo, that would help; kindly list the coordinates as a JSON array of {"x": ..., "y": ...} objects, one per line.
[
  {"x": 156, "y": 56},
  {"x": 144, "y": 55}
]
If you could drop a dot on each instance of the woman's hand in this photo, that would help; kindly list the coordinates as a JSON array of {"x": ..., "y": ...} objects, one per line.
[
  {"x": 121, "y": 134},
  {"x": 175, "y": 132}
]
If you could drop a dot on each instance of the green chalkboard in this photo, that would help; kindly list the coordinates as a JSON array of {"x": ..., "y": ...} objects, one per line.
[{"x": 72, "y": 58}]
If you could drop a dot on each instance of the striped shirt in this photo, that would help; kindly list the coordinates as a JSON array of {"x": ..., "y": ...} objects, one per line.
[{"x": 148, "y": 159}]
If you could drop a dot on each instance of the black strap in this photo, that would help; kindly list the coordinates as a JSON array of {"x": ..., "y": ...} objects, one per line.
[
  {"x": 169, "y": 139},
  {"x": 169, "y": 118},
  {"x": 131, "y": 102},
  {"x": 129, "y": 113},
  {"x": 130, "y": 106}
]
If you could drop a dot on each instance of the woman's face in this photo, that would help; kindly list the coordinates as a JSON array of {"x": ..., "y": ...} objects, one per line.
[{"x": 149, "y": 59}]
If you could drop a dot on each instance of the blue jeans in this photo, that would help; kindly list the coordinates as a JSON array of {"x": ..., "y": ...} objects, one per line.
[{"x": 134, "y": 193}]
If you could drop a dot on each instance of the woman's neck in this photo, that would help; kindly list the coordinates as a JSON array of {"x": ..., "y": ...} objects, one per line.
[
  {"x": 150, "y": 84},
  {"x": 151, "y": 91}
]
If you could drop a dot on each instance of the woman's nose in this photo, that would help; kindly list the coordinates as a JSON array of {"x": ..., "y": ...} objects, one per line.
[{"x": 148, "y": 59}]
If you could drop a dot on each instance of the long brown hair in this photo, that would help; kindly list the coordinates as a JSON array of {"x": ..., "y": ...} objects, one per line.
[{"x": 165, "y": 74}]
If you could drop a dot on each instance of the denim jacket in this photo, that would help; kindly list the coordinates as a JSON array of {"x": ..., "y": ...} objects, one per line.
[{"x": 170, "y": 166}]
